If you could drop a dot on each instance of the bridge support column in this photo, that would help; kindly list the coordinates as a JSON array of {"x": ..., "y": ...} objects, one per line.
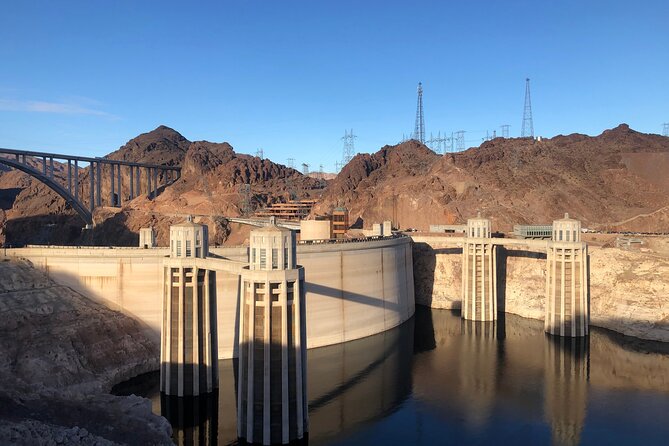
[
  {"x": 271, "y": 396},
  {"x": 51, "y": 166},
  {"x": 118, "y": 194},
  {"x": 189, "y": 338},
  {"x": 479, "y": 272},
  {"x": 98, "y": 192},
  {"x": 138, "y": 186},
  {"x": 69, "y": 176},
  {"x": 76, "y": 180},
  {"x": 112, "y": 198},
  {"x": 132, "y": 182},
  {"x": 155, "y": 183},
  {"x": 44, "y": 165},
  {"x": 91, "y": 176},
  {"x": 567, "y": 300},
  {"x": 148, "y": 182}
]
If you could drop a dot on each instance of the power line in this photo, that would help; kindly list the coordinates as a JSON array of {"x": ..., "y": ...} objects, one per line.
[{"x": 528, "y": 125}]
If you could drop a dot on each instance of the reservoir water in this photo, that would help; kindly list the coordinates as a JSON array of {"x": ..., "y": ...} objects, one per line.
[{"x": 440, "y": 380}]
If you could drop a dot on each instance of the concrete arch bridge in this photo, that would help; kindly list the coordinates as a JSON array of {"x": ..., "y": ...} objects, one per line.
[{"x": 40, "y": 165}]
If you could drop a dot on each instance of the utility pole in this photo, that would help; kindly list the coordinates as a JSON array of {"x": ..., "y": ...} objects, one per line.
[
  {"x": 419, "y": 129},
  {"x": 505, "y": 130},
  {"x": 528, "y": 125}
]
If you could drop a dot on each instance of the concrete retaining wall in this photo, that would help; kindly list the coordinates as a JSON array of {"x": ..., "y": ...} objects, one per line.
[{"x": 353, "y": 289}]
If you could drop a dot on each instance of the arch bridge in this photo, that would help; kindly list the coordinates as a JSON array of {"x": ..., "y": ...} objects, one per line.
[{"x": 70, "y": 186}]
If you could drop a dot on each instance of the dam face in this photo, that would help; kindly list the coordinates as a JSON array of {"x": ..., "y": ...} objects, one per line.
[{"x": 353, "y": 290}]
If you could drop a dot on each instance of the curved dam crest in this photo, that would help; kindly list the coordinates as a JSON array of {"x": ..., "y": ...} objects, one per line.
[{"x": 353, "y": 290}]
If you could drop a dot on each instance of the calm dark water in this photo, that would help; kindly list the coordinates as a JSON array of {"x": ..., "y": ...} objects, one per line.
[{"x": 440, "y": 380}]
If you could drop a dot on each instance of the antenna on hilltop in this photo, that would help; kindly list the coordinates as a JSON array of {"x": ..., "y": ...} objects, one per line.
[
  {"x": 665, "y": 129},
  {"x": 419, "y": 129},
  {"x": 528, "y": 126}
]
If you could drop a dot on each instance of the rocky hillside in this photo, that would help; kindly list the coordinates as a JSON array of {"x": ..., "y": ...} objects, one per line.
[
  {"x": 610, "y": 181},
  {"x": 210, "y": 186},
  {"x": 60, "y": 354}
]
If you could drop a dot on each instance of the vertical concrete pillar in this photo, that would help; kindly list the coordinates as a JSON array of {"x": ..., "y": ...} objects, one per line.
[
  {"x": 44, "y": 165},
  {"x": 148, "y": 182},
  {"x": 69, "y": 176},
  {"x": 567, "y": 300},
  {"x": 91, "y": 176},
  {"x": 98, "y": 192},
  {"x": 272, "y": 398},
  {"x": 189, "y": 347},
  {"x": 120, "y": 200},
  {"x": 479, "y": 272},
  {"x": 155, "y": 182},
  {"x": 76, "y": 180},
  {"x": 132, "y": 182},
  {"x": 51, "y": 166},
  {"x": 112, "y": 199},
  {"x": 138, "y": 187}
]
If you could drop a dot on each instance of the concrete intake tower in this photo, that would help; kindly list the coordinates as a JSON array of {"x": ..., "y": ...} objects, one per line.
[
  {"x": 272, "y": 399},
  {"x": 567, "y": 306},
  {"x": 189, "y": 336},
  {"x": 479, "y": 272}
]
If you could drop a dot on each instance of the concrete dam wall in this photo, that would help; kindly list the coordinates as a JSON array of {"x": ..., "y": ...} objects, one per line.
[
  {"x": 629, "y": 292},
  {"x": 353, "y": 290}
]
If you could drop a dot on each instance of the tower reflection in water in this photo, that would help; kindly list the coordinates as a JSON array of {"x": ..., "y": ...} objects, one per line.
[
  {"x": 194, "y": 419},
  {"x": 567, "y": 370},
  {"x": 349, "y": 386}
]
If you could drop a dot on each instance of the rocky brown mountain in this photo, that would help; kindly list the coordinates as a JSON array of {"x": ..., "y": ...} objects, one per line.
[
  {"x": 611, "y": 181},
  {"x": 209, "y": 186},
  {"x": 616, "y": 180}
]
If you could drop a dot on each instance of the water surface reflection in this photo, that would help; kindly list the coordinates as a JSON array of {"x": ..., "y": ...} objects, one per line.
[{"x": 441, "y": 380}]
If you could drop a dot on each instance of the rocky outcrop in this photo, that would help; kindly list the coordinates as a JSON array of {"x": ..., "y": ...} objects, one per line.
[
  {"x": 629, "y": 291},
  {"x": 60, "y": 353},
  {"x": 613, "y": 180}
]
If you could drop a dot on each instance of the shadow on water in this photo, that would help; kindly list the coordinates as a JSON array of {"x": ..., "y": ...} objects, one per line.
[{"x": 463, "y": 382}]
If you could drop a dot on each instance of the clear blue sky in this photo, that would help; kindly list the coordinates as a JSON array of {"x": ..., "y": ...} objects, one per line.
[{"x": 290, "y": 77}]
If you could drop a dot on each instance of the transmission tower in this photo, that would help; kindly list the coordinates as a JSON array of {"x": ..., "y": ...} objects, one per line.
[
  {"x": 419, "y": 129},
  {"x": 665, "y": 129},
  {"x": 460, "y": 140},
  {"x": 305, "y": 169},
  {"x": 260, "y": 154},
  {"x": 438, "y": 144},
  {"x": 505, "y": 130},
  {"x": 338, "y": 166},
  {"x": 349, "y": 147},
  {"x": 291, "y": 163},
  {"x": 528, "y": 126}
]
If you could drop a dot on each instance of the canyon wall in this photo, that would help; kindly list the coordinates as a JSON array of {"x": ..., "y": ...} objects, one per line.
[{"x": 629, "y": 291}]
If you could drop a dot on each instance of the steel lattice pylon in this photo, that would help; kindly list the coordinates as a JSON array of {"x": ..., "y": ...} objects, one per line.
[
  {"x": 528, "y": 125},
  {"x": 419, "y": 129}
]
